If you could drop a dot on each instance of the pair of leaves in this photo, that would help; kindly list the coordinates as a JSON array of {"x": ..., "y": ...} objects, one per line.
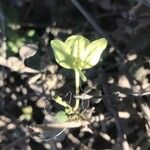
[{"x": 78, "y": 53}]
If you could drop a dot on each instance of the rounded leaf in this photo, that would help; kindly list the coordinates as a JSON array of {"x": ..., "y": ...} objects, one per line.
[
  {"x": 61, "y": 117},
  {"x": 77, "y": 44},
  {"x": 93, "y": 52},
  {"x": 61, "y": 52}
]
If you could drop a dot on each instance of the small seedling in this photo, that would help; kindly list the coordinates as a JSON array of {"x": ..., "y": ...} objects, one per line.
[{"x": 77, "y": 53}]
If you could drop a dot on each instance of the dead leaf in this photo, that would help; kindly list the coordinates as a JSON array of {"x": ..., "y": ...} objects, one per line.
[
  {"x": 15, "y": 64},
  {"x": 27, "y": 51}
]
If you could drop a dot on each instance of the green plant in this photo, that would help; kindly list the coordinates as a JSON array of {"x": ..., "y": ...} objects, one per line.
[{"x": 77, "y": 53}]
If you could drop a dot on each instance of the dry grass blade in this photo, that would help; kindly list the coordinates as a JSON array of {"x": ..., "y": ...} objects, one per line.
[
  {"x": 73, "y": 124},
  {"x": 33, "y": 79}
]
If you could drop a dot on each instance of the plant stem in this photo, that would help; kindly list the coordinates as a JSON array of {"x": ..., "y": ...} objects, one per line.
[{"x": 77, "y": 84}]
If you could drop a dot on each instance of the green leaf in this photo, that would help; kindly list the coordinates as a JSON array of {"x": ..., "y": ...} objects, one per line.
[
  {"x": 61, "y": 52},
  {"x": 60, "y": 101},
  {"x": 61, "y": 117},
  {"x": 78, "y": 53},
  {"x": 77, "y": 44},
  {"x": 13, "y": 47},
  {"x": 30, "y": 33},
  {"x": 93, "y": 52}
]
